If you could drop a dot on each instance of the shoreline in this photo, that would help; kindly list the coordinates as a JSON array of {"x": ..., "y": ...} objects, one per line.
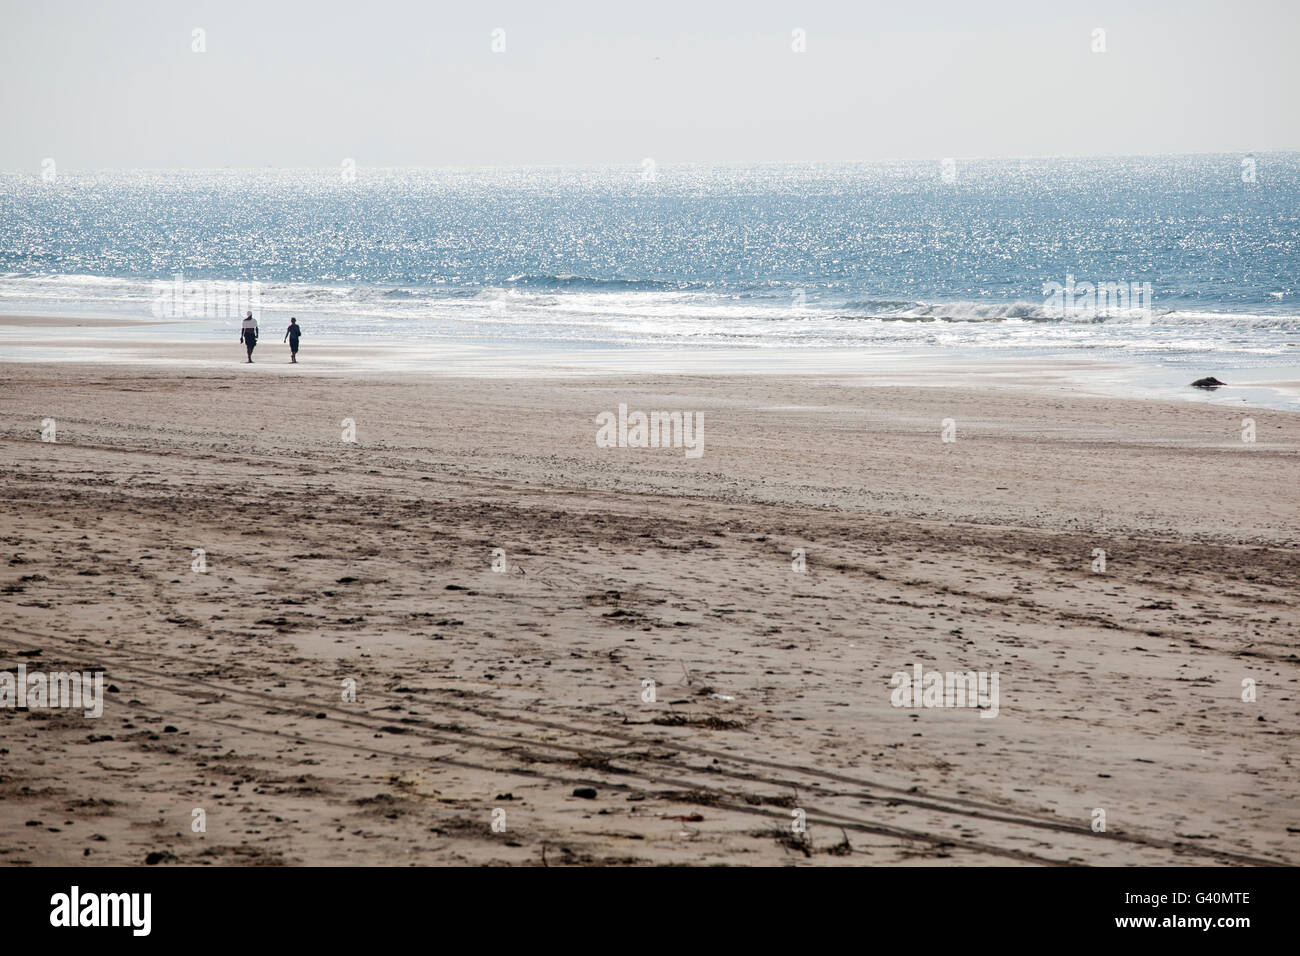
[{"x": 108, "y": 341}]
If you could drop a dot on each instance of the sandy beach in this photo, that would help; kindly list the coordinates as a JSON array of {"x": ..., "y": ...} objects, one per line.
[{"x": 501, "y": 713}]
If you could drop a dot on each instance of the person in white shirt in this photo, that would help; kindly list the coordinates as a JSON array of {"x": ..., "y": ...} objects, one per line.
[{"x": 248, "y": 335}]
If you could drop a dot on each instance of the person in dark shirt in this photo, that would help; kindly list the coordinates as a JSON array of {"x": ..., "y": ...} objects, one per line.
[
  {"x": 248, "y": 335},
  {"x": 291, "y": 335}
]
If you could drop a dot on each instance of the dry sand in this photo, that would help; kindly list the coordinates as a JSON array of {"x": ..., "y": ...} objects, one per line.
[{"x": 479, "y": 690}]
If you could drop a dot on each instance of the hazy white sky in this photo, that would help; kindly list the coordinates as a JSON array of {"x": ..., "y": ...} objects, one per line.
[{"x": 387, "y": 82}]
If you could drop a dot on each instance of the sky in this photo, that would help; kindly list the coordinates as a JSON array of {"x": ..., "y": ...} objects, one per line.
[{"x": 118, "y": 83}]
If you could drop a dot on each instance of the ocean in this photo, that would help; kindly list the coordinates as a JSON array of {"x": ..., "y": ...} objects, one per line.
[{"x": 1175, "y": 262}]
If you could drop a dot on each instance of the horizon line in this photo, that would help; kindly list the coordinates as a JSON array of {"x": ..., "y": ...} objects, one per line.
[{"x": 632, "y": 163}]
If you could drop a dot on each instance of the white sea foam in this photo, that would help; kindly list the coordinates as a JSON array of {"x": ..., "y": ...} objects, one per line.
[{"x": 669, "y": 318}]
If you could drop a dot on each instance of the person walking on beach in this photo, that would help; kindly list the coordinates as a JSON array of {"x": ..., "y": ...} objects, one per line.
[
  {"x": 248, "y": 335},
  {"x": 291, "y": 335}
]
